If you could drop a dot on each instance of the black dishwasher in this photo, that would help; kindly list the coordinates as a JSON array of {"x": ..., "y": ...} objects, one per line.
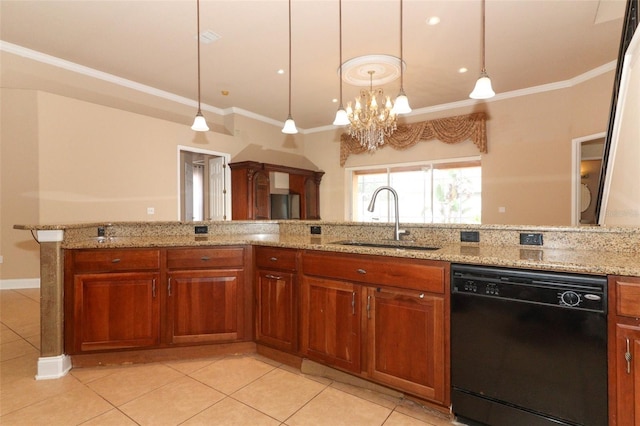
[{"x": 528, "y": 347}]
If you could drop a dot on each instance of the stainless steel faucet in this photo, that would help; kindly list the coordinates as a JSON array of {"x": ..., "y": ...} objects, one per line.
[{"x": 397, "y": 230}]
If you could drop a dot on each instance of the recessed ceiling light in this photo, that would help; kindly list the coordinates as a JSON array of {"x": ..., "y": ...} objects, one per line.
[
  {"x": 434, "y": 20},
  {"x": 462, "y": 70},
  {"x": 280, "y": 71},
  {"x": 334, "y": 100},
  {"x": 224, "y": 92}
]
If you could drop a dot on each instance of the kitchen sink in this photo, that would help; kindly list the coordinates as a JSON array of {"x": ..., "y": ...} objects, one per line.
[{"x": 398, "y": 245}]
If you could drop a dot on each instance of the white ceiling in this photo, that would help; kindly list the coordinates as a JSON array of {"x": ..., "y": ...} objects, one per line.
[{"x": 153, "y": 43}]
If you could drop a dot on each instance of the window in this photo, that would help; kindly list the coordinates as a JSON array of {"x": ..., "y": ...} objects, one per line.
[{"x": 437, "y": 192}]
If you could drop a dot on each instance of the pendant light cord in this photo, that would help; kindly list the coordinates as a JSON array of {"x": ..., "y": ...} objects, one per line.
[
  {"x": 340, "y": 39},
  {"x": 198, "y": 41},
  {"x": 401, "y": 56},
  {"x": 289, "y": 58},
  {"x": 484, "y": 69}
]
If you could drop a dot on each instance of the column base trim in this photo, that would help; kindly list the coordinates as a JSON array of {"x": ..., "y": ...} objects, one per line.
[{"x": 53, "y": 367}]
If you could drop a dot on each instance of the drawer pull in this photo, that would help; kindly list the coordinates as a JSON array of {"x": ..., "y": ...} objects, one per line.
[
  {"x": 205, "y": 258},
  {"x": 627, "y": 357},
  {"x": 273, "y": 277},
  {"x": 421, "y": 296},
  {"x": 361, "y": 271},
  {"x": 273, "y": 259},
  {"x": 116, "y": 260}
]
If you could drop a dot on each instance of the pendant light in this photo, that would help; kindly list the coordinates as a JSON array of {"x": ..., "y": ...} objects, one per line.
[
  {"x": 401, "y": 105},
  {"x": 483, "y": 89},
  {"x": 342, "y": 119},
  {"x": 289, "y": 125},
  {"x": 199, "y": 124}
]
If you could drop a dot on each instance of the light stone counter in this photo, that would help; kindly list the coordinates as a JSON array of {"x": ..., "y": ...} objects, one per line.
[{"x": 592, "y": 250}]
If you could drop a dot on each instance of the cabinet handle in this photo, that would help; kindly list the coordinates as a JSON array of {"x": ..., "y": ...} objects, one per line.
[
  {"x": 361, "y": 271},
  {"x": 115, "y": 260},
  {"x": 353, "y": 303},
  {"x": 421, "y": 296},
  {"x": 153, "y": 288},
  {"x": 205, "y": 258},
  {"x": 273, "y": 259},
  {"x": 169, "y": 286},
  {"x": 368, "y": 306},
  {"x": 627, "y": 357},
  {"x": 273, "y": 277}
]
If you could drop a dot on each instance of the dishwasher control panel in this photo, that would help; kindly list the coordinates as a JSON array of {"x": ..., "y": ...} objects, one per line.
[{"x": 559, "y": 289}]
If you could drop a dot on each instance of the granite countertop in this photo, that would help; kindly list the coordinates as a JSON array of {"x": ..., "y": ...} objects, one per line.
[{"x": 568, "y": 260}]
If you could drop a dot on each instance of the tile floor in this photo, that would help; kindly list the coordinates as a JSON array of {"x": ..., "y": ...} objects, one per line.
[{"x": 231, "y": 390}]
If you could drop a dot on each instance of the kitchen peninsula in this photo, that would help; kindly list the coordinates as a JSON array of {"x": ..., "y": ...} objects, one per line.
[{"x": 258, "y": 265}]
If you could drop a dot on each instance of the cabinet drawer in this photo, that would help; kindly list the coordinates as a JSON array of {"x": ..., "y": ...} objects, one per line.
[
  {"x": 278, "y": 258},
  {"x": 425, "y": 275},
  {"x": 628, "y": 296},
  {"x": 221, "y": 257},
  {"x": 115, "y": 260}
]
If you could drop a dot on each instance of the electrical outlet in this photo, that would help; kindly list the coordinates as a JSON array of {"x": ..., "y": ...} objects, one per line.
[
  {"x": 100, "y": 231},
  {"x": 201, "y": 229},
  {"x": 470, "y": 236},
  {"x": 531, "y": 239},
  {"x": 316, "y": 230}
]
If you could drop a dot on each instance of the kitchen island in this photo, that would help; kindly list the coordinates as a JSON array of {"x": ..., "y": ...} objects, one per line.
[{"x": 309, "y": 263}]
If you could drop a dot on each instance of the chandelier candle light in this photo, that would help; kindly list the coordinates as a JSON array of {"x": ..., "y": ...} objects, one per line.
[{"x": 199, "y": 124}]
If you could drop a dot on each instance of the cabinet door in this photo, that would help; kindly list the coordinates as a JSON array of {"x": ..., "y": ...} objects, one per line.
[
  {"x": 261, "y": 197},
  {"x": 331, "y": 322},
  {"x": 275, "y": 319},
  {"x": 115, "y": 311},
  {"x": 406, "y": 341},
  {"x": 628, "y": 375},
  {"x": 205, "y": 306}
]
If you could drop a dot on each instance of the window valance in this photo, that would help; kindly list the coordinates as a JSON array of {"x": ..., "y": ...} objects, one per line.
[{"x": 448, "y": 130}]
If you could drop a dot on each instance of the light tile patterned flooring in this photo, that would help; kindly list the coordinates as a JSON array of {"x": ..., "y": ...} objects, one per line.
[{"x": 232, "y": 390}]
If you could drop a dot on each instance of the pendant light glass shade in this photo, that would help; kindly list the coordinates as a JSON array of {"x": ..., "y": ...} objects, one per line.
[
  {"x": 483, "y": 89},
  {"x": 200, "y": 124},
  {"x": 401, "y": 105},
  {"x": 290, "y": 127},
  {"x": 342, "y": 119}
]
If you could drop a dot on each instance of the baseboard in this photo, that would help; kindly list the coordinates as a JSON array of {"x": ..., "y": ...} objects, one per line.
[
  {"x": 53, "y": 367},
  {"x": 17, "y": 284}
]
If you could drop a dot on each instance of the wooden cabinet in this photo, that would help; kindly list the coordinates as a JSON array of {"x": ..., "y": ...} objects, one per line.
[
  {"x": 276, "y": 296},
  {"x": 205, "y": 294},
  {"x": 143, "y": 298},
  {"x": 624, "y": 351},
  {"x": 384, "y": 318},
  {"x": 331, "y": 318},
  {"x": 112, "y": 299},
  {"x": 406, "y": 341},
  {"x": 250, "y": 190}
]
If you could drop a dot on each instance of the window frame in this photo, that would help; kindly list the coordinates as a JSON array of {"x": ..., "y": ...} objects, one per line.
[{"x": 350, "y": 184}]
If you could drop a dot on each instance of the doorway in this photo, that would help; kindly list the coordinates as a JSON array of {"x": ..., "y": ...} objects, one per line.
[
  {"x": 203, "y": 178},
  {"x": 587, "y": 164}
]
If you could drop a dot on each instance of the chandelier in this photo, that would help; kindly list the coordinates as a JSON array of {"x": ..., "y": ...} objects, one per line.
[{"x": 371, "y": 119}]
